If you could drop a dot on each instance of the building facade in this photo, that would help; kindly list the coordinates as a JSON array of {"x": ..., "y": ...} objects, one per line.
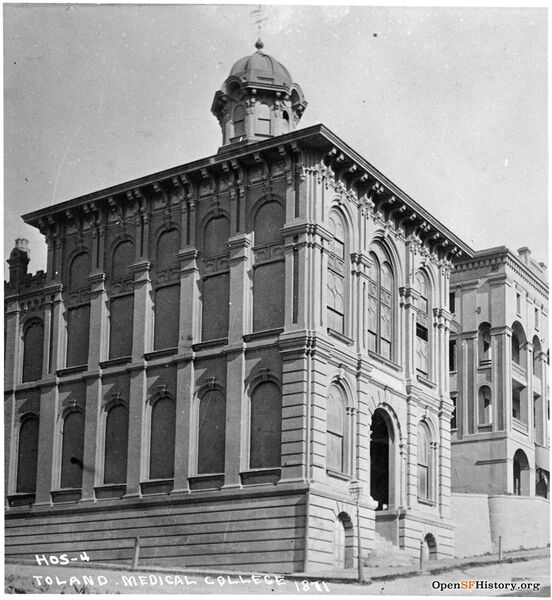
[{"x": 216, "y": 351}]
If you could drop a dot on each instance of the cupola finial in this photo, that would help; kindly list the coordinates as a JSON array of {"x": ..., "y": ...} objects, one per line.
[{"x": 259, "y": 44}]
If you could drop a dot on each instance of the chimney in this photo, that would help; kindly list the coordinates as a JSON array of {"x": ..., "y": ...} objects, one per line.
[
  {"x": 525, "y": 254},
  {"x": 19, "y": 260}
]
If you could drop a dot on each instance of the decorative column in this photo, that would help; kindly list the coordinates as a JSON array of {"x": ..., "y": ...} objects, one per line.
[
  {"x": 240, "y": 320},
  {"x": 56, "y": 328}
]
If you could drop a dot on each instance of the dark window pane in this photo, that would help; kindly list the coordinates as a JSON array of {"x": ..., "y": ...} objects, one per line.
[
  {"x": 215, "y": 237},
  {"x": 269, "y": 219},
  {"x": 116, "y": 445},
  {"x": 79, "y": 271},
  {"x": 72, "y": 450},
  {"x": 78, "y": 331},
  {"x": 211, "y": 434},
  {"x": 33, "y": 342},
  {"x": 167, "y": 314},
  {"x": 167, "y": 249},
  {"x": 268, "y": 296},
  {"x": 123, "y": 257},
  {"x": 27, "y": 456},
  {"x": 120, "y": 321},
  {"x": 162, "y": 439},
  {"x": 215, "y": 299},
  {"x": 266, "y": 426}
]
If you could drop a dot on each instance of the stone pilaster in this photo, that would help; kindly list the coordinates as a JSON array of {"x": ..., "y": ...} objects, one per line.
[
  {"x": 47, "y": 475},
  {"x": 99, "y": 339},
  {"x": 184, "y": 398},
  {"x": 142, "y": 328},
  {"x": 13, "y": 350},
  {"x": 137, "y": 438},
  {"x": 91, "y": 420},
  {"x": 190, "y": 306}
]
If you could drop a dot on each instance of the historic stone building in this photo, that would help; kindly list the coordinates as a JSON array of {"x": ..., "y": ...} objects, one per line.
[{"x": 217, "y": 350}]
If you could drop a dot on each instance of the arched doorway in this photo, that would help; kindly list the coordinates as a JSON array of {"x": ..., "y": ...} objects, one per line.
[
  {"x": 343, "y": 542},
  {"x": 521, "y": 474},
  {"x": 381, "y": 460},
  {"x": 429, "y": 548}
]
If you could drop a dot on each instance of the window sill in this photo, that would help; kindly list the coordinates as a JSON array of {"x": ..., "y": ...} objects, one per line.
[
  {"x": 484, "y": 427},
  {"x": 71, "y": 370},
  {"x": 206, "y": 482},
  {"x": 110, "y": 490},
  {"x": 21, "y": 499},
  {"x": 255, "y": 476},
  {"x": 157, "y": 486},
  {"x": 386, "y": 361},
  {"x": 113, "y": 362},
  {"x": 210, "y": 344},
  {"x": 257, "y": 335},
  {"x": 67, "y": 495},
  {"x": 427, "y": 501},
  {"x": 340, "y": 336},
  {"x": 338, "y": 475},
  {"x": 423, "y": 379},
  {"x": 160, "y": 353}
]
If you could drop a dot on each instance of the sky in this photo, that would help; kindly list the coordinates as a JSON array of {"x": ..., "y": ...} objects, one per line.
[{"x": 449, "y": 103}]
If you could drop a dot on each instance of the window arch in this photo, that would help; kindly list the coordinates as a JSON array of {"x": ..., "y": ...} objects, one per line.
[
  {"x": 521, "y": 474},
  {"x": 27, "y": 455},
  {"x": 265, "y": 436},
  {"x": 216, "y": 278},
  {"x": 485, "y": 408},
  {"x": 80, "y": 268},
  {"x": 337, "y": 273},
  {"x": 268, "y": 267},
  {"x": 337, "y": 431},
  {"x": 380, "y": 304},
  {"x": 484, "y": 343},
  {"x": 211, "y": 432},
  {"x": 167, "y": 291},
  {"x": 72, "y": 451},
  {"x": 116, "y": 444},
  {"x": 162, "y": 438},
  {"x": 518, "y": 342},
  {"x": 33, "y": 348},
  {"x": 425, "y": 462},
  {"x": 423, "y": 320}
]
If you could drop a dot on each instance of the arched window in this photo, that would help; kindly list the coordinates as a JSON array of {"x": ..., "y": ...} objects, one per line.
[
  {"x": 521, "y": 473},
  {"x": 239, "y": 120},
  {"x": 123, "y": 257},
  {"x": 27, "y": 456},
  {"x": 216, "y": 279},
  {"x": 484, "y": 343},
  {"x": 337, "y": 431},
  {"x": 268, "y": 267},
  {"x": 263, "y": 119},
  {"x": 33, "y": 347},
  {"x": 79, "y": 271},
  {"x": 285, "y": 122},
  {"x": 121, "y": 305},
  {"x": 167, "y": 291},
  {"x": 380, "y": 305},
  {"x": 537, "y": 351},
  {"x": 336, "y": 274},
  {"x": 265, "y": 426},
  {"x": 485, "y": 406},
  {"x": 72, "y": 452},
  {"x": 162, "y": 438},
  {"x": 518, "y": 344},
  {"x": 211, "y": 432},
  {"x": 425, "y": 468},
  {"x": 423, "y": 320},
  {"x": 116, "y": 444}
]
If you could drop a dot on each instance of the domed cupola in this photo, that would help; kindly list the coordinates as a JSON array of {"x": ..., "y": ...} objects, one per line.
[{"x": 258, "y": 100}]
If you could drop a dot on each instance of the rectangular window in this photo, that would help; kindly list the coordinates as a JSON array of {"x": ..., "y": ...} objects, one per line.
[
  {"x": 518, "y": 303},
  {"x": 452, "y": 355},
  {"x": 216, "y": 297},
  {"x": 422, "y": 359},
  {"x": 121, "y": 317},
  {"x": 516, "y": 403},
  {"x": 167, "y": 315},
  {"x": 452, "y": 303},
  {"x": 78, "y": 326},
  {"x": 536, "y": 318},
  {"x": 453, "y": 424}
]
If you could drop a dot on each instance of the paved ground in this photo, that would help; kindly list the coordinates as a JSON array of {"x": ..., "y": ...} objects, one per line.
[{"x": 527, "y": 577}]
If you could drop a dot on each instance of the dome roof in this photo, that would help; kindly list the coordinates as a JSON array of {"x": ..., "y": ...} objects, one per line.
[{"x": 260, "y": 68}]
